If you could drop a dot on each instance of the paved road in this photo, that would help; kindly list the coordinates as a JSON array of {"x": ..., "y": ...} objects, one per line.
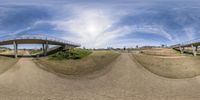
[{"x": 125, "y": 81}]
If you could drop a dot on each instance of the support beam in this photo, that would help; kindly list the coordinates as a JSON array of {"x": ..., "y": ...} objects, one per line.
[
  {"x": 46, "y": 48},
  {"x": 194, "y": 50},
  {"x": 181, "y": 49},
  {"x": 43, "y": 49},
  {"x": 15, "y": 49}
]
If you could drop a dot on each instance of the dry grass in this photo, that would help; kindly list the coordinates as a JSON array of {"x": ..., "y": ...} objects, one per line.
[
  {"x": 160, "y": 52},
  {"x": 6, "y": 63},
  {"x": 11, "y": 52},
  {"x": 94, "y": 62},
  {"x": 174, "y": 66}
]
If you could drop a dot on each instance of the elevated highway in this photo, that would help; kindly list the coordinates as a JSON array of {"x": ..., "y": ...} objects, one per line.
[{"x": 45, "y": 40}]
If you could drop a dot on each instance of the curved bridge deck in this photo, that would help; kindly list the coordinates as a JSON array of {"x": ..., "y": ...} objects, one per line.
[
  {"x": 192, "y": 43},
  {"x": 37, "y": 39}
]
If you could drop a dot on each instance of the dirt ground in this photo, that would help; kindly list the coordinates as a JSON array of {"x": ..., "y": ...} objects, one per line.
[{"x": 126, "y": 80}]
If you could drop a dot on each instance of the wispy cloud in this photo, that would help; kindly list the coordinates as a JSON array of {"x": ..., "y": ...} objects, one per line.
[
  {"x": 151, "y": 29},
  {"x": 102, "y": 23},
  {"x": 190, "y": 33},
  {"x": 92, "y": 27},
  {"x": 98, "y": 28}
]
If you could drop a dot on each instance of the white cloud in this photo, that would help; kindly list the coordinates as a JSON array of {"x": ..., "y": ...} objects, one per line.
[
  {"x": 133, "y": 42},
  {"x": 151, "y": 29},
  {"x": 21, "y": 30},
  {"x": 92, "y": 27},
  {"x": 96, "y": 28},
  {"x": 190, "y": 33}
]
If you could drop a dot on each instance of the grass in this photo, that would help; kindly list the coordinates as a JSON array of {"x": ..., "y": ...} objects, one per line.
[
  {"x": 96, "y": 61},
  {"x": 73, "y": 53},
  {"x": 2, "y": 51},
  {"x": 6, "y": 63},
  {"x": 160, "y": 52},
  {"x": 180, "y": 67},
  {"x": 34, "y": 51}
]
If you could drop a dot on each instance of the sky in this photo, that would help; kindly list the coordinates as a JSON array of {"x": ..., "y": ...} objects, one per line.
[{"x": 103, "y": 23}]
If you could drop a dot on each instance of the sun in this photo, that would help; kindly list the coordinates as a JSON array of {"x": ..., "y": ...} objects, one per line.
[{"x": 92, "y": 29}]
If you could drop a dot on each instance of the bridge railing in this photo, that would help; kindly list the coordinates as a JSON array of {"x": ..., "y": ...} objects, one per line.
[
  {"x": 190, "y": 42},
  {"x": 41, "y": 37}
]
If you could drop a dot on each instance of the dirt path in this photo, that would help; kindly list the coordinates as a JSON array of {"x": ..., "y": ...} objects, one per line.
[{"x": 126, "y": 81}]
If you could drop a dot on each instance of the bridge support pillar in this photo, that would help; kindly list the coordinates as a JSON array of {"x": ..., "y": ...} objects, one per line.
[
  {"x": 194, "y": 50},
  {"x": 43, "y": 49},
  {"x": 182, "y": 49},
  {"x": 15, "y": 49},
  {"x": 46, "y": 47}
]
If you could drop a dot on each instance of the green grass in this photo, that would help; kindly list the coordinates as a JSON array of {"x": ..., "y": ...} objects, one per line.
[{"x": 73, "y": 53}]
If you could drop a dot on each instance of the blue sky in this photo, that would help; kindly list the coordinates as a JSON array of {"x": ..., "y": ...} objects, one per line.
[{"x": 97, "y": 24}]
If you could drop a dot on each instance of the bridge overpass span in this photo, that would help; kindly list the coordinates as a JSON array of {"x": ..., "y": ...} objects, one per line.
[
  {"x": 45, "y": 40},
  {"x": 194, "y": 44}
]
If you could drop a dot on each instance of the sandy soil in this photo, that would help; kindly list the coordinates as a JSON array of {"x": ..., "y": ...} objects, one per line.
[{"x": 126, "y": 81}]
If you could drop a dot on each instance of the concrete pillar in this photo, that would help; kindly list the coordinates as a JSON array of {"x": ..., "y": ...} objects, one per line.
[
  {"x": 194, "y": 50},
  {"x": 46, "y": 48},
  {"x": 15, "y": 49},
  {"x": 181, "y": 49},
  {"x": 43, "y": 49}
]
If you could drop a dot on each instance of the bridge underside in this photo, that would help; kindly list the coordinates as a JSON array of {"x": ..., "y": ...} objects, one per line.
[
  {"x": 33, "y": 41},
  {"x": 192, "y": 43},
  {"x": 189, "y": 45},
  {"x": 193, "y": 46},
  {"x": 45, "y": 44}
]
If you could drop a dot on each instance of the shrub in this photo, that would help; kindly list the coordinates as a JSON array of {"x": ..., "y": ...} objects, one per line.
[{"x": 73, "y": 53}]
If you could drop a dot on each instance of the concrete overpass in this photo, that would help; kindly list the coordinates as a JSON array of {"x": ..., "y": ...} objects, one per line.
[
  {"x": 192, "y": 43},
  {"x": 45, "y": 40}
]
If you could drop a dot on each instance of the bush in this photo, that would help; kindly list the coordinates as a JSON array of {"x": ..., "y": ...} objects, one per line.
[{"x": 74, "y": 53}]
